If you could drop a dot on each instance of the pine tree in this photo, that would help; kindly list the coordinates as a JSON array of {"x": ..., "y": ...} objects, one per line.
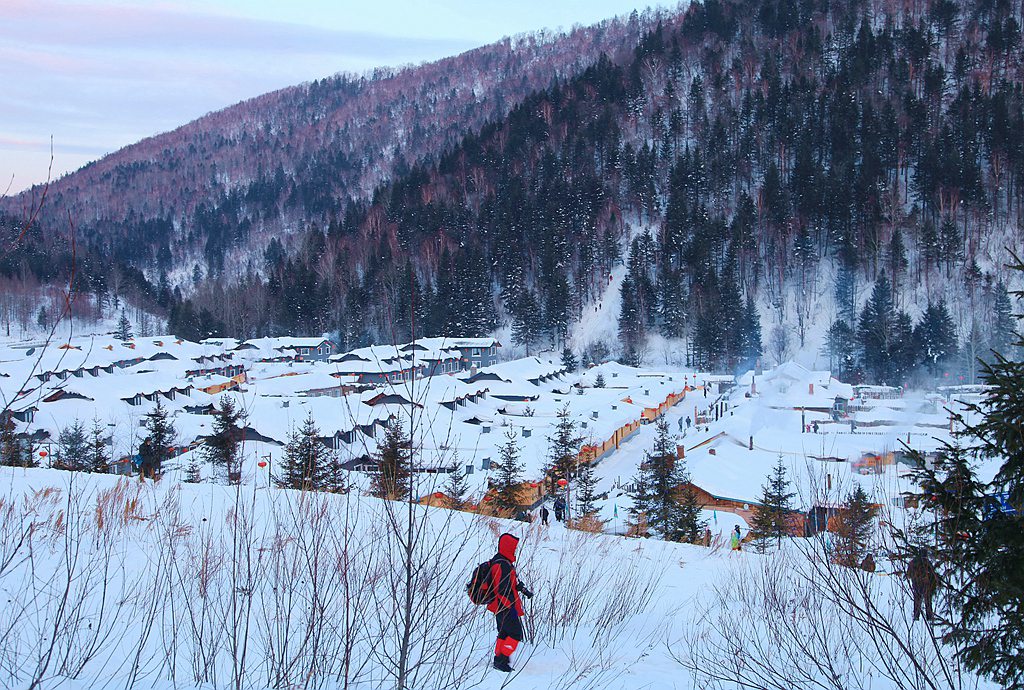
[
  {"x": 691, "y": 524},
  {"x": 159, "y": 438},
  {"x": 641, "y": 498},
  {"x": 586, "y": 492},
  {"x": 936, "y": 338},
  {"x": 841, "y": 348},
  {"x": 393, "y": 478},
  {"x": 987, "y": 617},
  {"x": 12, "y": 452},
  {"x": 599, "y": 381},
  {"x": 771, "y": 517},
  {"x": 99, "y": 456},
  {"x": 1003, "y": 323},
  {"x": 526, "y": 321},
  {"x": 508, "y": 479},
  {"x": 221, "y": 448},
  {"x": 563, "y": 447},
  {"x": 665, "y": 475},
  {"x": 630, "y": 319},
  {"x": 456, "y": 488},
  {"x": 123, "y": 331},
  {"x": 855, "y": 528},
  {"x": 569, "y": 360},
  {"x": 305, "y": 459},
  {"x": 72, "y": 448},
  {"x": 751, "y": 348},
  {"x": 193, "y": 473},
  {"x": 885, "y": 337},
  {"x": 335, "y": 475}
]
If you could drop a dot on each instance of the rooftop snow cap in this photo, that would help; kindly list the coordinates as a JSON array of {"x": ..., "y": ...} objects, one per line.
[{"x": 507, "y": 546}]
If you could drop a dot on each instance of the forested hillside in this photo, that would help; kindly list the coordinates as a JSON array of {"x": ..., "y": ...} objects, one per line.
[
  {"x": 207, "y": 192},
  {"x": 764, "y": 164}
]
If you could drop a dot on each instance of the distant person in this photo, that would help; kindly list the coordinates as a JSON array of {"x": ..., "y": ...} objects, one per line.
[
  {"x": 923, "y": 583},
  {"x": 688, "y": 422},
  {"x": 544, "y": 515},
  {"x": 560, "y": 509},
  {"x": 814, "y": 427},
  {"x": 707, "y": 536},
  {"x": 735, "y": 542}
]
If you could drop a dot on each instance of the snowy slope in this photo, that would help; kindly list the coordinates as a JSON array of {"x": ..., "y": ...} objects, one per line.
[{"x": 202, "y": 586}]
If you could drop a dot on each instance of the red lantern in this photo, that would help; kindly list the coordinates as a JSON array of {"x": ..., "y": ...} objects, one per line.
[
  {"x": 534, "y": 485},
  {"x": 562, "y": 482},
  {"x": 438, "y": 494},
  {"x": 43, "y": 453},
  {"x": 261, "y": 464}
]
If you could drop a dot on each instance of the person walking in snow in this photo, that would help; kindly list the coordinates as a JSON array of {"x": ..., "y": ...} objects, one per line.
[
  {"x": 544, "y": 515},
  {"x": 688, "y": 422},
  {"x": 735, "y": 541},
  {"x": 814, "y": 426},
  {"x": 506, "y": 606},
  {"x": 560, "y": 509},
  {"x": 923, "y": 583}
]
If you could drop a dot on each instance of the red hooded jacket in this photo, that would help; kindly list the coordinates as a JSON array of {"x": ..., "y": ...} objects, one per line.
[{"x": 504, "y": 582}]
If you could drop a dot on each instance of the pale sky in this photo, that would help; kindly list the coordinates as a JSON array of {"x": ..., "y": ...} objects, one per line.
[{"x": 96, "y": 75}]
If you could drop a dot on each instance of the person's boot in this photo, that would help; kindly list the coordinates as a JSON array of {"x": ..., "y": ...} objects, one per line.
[{"x": 501, "y": 662}]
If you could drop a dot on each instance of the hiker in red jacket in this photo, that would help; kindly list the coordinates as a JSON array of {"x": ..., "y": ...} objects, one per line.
[{"x": 506, "y": 606}]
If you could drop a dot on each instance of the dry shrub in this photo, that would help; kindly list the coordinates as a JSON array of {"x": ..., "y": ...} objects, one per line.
[{"x": 587, "y": 523}]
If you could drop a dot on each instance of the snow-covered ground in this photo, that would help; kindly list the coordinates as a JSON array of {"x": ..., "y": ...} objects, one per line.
[
  {"x": 116, "y": 583},
  {"x": 121, "y": 584}
]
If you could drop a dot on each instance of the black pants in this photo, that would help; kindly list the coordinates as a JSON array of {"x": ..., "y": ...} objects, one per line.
[{"x": 509, "y": 624}]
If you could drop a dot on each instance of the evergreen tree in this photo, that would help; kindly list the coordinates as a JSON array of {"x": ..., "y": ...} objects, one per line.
[
  {"x": 855, "y": 528},
  {"x": 1003, "y": 323},
  {"x": 640, "y": 495},
  {"x": 508, "y": 479},
  {"x": 305, "y": 459},
  {"x": 123, "y": 331},
  {"x": 841, "y": 348},
  {"x": 221, "y": 448},
  {"x": 586, "y": 491},
  {"x": 526, "y": 320},
  {"x": 846, "y": 294},
  {"x": 599, "y": 381},
  {"x": 691, "y": 525},
  {"x": 12, "y": 452},
  {"x": 393, "y": 478},
  {"x": 935, "y": 337},
  {"x": 897, "y": 258},
  {"x": 72, "y": 448},
  {"x": 665, "y": 476},
  {"x": 456, "y": 488},
  {"x": 949, "y": 245},
  {"x": 99, "y": 456},
  {"x": 160, "y": 433},
  {"x": 885, "y": 337},
  {"x": 569, "y": 360},
  {"x": 771, "y": 517},
  {"x": 193, "y": 473},
  {"x": 987, "y": 617},
  {"x": 751, "y": 348},
  {"x": 630, "y": 320},
  {"x": 563, "y": 447}
]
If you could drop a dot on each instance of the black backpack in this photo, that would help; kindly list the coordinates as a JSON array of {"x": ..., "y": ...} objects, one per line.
[{"x": 479, "y": 586}]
